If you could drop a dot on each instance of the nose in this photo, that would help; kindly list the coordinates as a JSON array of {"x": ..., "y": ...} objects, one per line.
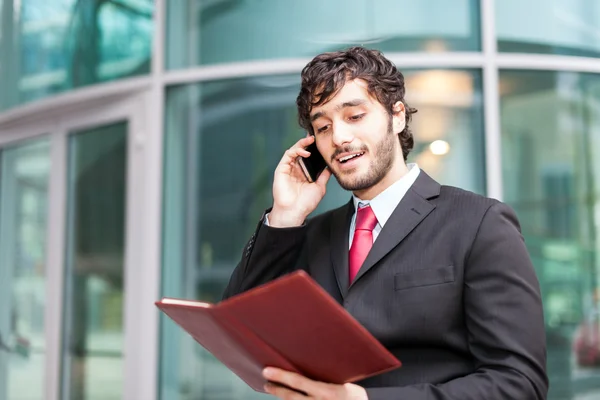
[{"x": 342, "y": 134}]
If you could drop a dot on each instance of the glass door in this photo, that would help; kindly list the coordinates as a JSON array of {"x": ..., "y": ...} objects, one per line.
[
  {"x": 93, "y": 330},
  {"x": 78, "y": 273},
  {"x": 24, "y": 176}
]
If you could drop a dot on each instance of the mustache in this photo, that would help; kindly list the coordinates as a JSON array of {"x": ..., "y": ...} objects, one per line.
[{"x": 347, "y": 149}]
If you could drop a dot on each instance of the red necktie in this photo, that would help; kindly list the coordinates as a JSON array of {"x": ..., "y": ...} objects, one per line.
[{"x": 363, "y": 239}]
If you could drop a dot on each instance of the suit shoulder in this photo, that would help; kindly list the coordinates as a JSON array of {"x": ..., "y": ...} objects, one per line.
[
  {"x": 457, "y": 195},
  {"x": 471, "y": 209},
  {"x": 461, "y": 200}
]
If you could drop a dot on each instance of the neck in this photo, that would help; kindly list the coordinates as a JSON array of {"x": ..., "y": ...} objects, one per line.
[{"x": 398, "y": 170}]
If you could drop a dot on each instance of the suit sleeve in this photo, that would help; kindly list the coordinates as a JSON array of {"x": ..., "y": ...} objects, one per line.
[
  {"x": 504, "y": 321},
  {"x": 269, "y": 254}
]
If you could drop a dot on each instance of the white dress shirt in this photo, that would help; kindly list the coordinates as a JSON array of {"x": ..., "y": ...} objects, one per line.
[{"x": 385, "y": 203}]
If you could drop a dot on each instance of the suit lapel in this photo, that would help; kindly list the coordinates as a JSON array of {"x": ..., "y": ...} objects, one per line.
[
  {"x": 411, "y": 210},
  {"x": 340, "y": 231}
]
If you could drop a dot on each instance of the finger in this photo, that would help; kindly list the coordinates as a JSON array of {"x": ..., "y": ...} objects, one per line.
[
  {"x": 297, "y": 149},
  {"x": 292, "y": 154},
  {"x": 324, "y": 178},
  {"x": 302, "y": 152},
  {"x": 294, "y": 169},
  {"x": 291, "y": 380},
  {"x": 283, "y": 392},
  {"x": 305, "y": 141},
  {"x": 302, "y": 143},
  {"x": 298, "y": 173}
]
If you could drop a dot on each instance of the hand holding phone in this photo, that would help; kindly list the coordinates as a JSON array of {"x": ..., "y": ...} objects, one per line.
[
  {"x": 298, "y": 186},
  {"x": 313, "y": 165}
]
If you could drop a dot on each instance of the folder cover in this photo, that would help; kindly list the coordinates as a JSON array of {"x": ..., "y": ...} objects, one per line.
[{"x": 290, "y": 323}]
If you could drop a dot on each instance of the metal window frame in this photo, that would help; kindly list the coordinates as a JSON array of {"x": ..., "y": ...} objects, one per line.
[{"x": 83, "y": 111}]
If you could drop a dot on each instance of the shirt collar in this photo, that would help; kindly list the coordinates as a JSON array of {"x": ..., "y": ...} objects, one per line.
[{"x": 385, "y": 203}]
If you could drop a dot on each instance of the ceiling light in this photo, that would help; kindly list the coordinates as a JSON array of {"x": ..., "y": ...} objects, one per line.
[{"x": 439, "y": 147}]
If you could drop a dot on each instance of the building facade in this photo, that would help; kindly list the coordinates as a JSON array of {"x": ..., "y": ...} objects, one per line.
[{"x": 138, "y": 140}]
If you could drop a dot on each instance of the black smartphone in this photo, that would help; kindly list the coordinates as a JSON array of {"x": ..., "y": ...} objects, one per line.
[{"x": 312, "y": 165}]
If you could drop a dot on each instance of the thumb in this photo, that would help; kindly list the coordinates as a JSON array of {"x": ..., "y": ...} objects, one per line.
[{"x": 324, "y": 178}]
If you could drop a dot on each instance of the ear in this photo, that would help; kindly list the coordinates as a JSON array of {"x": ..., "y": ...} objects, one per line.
[{"x": 398, "y": 117}]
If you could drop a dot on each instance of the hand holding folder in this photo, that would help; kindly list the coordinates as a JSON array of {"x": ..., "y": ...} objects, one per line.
[{"x": 290, "y": 323}]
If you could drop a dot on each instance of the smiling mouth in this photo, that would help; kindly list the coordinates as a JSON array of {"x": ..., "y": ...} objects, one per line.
[{"x": 345, "y": 159}]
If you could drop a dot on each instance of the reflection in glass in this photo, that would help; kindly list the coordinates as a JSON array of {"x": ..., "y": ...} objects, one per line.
[
  {"x": 224, "y": 31},
  {"x": 448, "y": 128},
  {"x": 551, "y": 170},
  {"x": 223, "y": 142},
  {"x": 539, "y": 26},
  {"x": 23, "y": 215},
  {"x": 49, "y": 46},
  {"x": 93, "y": 330}
]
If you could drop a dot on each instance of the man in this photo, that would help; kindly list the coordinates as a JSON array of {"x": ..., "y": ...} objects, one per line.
[{"x": 439, "y": 275}]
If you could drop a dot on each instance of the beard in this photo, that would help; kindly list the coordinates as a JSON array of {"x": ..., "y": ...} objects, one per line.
[{"x": 381, "y": 163}]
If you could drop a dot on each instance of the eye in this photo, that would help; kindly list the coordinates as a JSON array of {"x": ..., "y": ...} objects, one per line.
[
  {"x": 357, "y": 117},
  {"x": 322, "y": 129}
]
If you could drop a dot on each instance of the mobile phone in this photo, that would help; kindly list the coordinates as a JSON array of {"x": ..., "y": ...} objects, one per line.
[{"x": 313, "y": 165}]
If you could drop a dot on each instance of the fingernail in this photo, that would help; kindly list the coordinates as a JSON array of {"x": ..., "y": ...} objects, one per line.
[{"x": 267, "y": 372}]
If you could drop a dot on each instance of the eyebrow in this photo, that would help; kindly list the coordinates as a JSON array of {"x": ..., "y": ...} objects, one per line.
[{"x": 351, "y": 103}]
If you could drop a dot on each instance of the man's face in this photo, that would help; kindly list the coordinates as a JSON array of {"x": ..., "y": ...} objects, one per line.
[{"x": 355, "y": 135}]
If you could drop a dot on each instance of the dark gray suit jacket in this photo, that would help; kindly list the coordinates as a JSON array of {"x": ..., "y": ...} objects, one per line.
[{"x": 448, "y": 288}]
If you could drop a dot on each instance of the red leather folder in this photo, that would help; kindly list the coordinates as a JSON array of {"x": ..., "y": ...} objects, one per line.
[{"x": 289, "y": 323}]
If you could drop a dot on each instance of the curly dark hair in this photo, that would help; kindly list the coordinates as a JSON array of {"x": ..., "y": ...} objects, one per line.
[{"x": 327, "y": 73}]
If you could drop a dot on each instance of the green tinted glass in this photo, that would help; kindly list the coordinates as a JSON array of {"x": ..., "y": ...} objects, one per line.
[
  {"x": 93, "y": 332},
  {"x": 208, "y": 32},
  {"x": 537, "y": 26},
  {"x": 24, "y": 176},
  {"x": 551, "y": 172},
  {"x": 50, "y": 46}
]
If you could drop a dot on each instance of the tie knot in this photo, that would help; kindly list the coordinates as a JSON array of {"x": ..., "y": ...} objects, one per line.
[{"x": 365, "y": 219}]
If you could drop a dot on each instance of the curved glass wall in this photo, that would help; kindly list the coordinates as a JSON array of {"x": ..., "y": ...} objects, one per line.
[
  {"x": 223, "y": 142},
  {"x": 209, "y": 32},
  {"x": 50, "y": 46},
  {"x": 558, "y": 27},
  {"x": 551, "y": 170}
]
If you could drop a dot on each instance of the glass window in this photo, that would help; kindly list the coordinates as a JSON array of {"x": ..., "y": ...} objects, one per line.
[
  {"x": 557, "y": 27},
  {"x": 448, "y": 128},
  {"x": 23, "y": 217},
  {"x": 208, "y": 32},
  {"x": 93, "y": 327},
  {"x": 551, "y": 170},
  {"x": 50, "y": 46},
  {"x": 223, "y": 142}
]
